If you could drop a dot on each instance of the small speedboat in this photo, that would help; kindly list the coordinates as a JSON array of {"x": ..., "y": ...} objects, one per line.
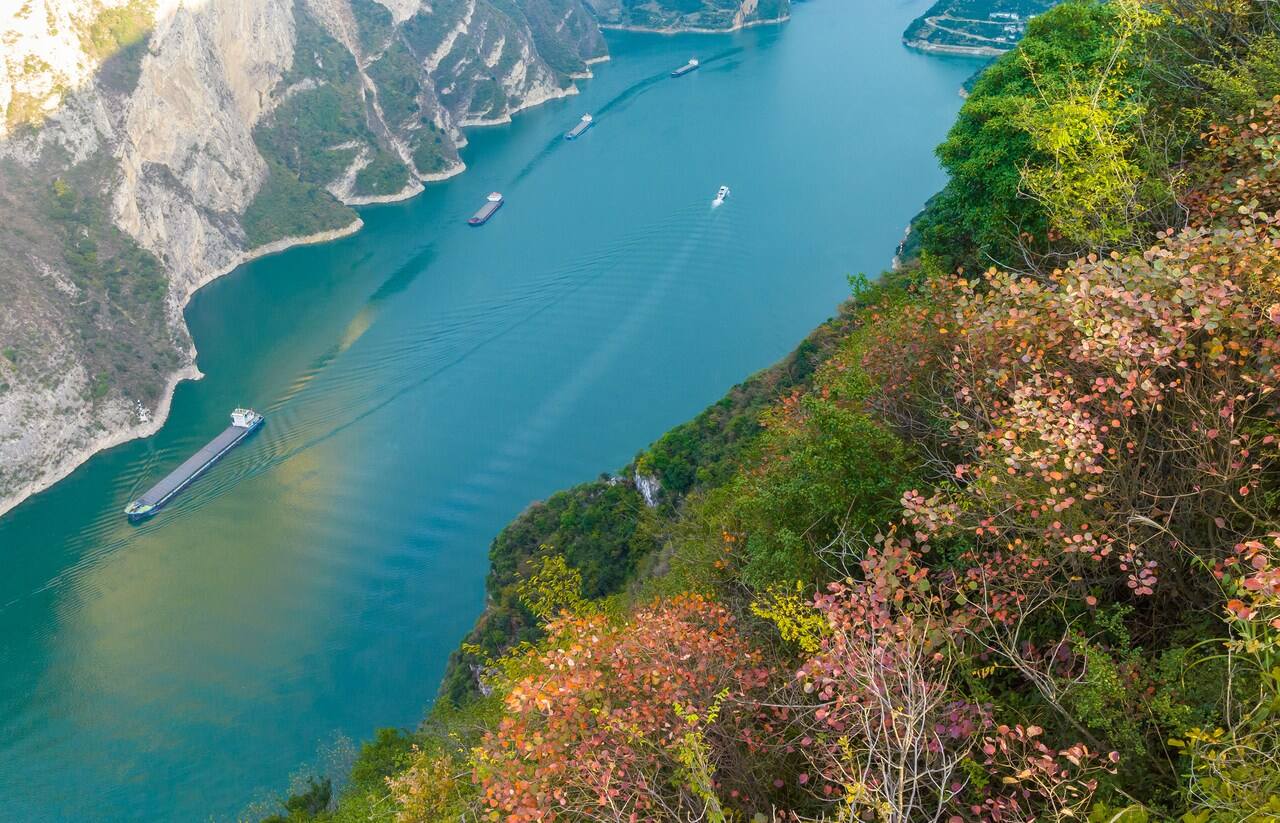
[{"x": 721, "y": 196}]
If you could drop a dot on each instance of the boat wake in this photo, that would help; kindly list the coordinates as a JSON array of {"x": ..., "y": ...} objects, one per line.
[
  {"x": 382, "y": 363},
  {"x": 615, "y": 104}
]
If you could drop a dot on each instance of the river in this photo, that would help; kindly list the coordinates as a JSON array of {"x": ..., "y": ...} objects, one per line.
[{"x": 423, "y": 381}]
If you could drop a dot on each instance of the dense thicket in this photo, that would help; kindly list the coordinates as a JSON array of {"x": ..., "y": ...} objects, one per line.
[{"x": 1009, "y": 552}]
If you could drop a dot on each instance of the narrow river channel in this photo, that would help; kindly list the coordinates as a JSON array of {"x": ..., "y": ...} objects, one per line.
[{"x": 423, "y": 381}]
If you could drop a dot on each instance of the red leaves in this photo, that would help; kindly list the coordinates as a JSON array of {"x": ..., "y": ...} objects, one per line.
[
  {"x": 595, "y": 721},
  {"x": 1253, "y": 576},
  {"x": 1102, "y": 392},
  {"x": 1238, "y": 609},
  {"x": 1026, "y": 775}
]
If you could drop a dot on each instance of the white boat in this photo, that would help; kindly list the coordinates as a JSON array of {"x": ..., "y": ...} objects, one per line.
[{"x": 721, "y": 196}]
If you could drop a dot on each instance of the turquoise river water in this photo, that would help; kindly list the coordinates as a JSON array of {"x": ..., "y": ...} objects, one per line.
[{"x": 423, "y": 381}]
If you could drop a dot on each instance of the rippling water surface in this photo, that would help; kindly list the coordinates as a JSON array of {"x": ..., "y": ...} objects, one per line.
[{"x": 423, "y": 381}]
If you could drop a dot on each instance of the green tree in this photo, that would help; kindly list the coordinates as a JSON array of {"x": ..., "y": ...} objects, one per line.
[
  {"x": 827, "y": 469},
  {"x": 1042, "y": 146}
]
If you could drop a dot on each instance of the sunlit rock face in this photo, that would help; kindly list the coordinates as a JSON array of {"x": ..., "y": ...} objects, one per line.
[{"x": 148, "y": 146}]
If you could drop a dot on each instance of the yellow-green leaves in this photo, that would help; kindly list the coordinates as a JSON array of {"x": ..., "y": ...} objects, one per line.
[
  {"x": 792, "y": 612},
  {"x": 1089, "y": 185},
  {"x": 553, "y": 589}
]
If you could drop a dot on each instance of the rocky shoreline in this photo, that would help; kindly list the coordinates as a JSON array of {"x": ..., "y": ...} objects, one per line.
[
  {"x": 74, "y": 459},
  {"x": 750, "y": 24},
  {"x": 110, "y": 440},
  {"x": 529, "y": 103},
  {"x": 962, "y": 51}
]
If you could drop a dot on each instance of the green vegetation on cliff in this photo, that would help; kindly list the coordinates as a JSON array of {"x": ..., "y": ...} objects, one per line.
[
  {"x": 1077, "y": 141},
  {"x": 989, "y": 547},
  {"x": 705, "y": 15},
  {"x": 974, "y": 27},
  {"x": 309, "y": 140},
  {"x": 117, "y": 317},
  {"x": 286, "y": 206}
]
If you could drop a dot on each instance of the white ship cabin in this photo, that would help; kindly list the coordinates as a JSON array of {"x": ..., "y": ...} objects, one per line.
[{"x": 243, "y": 418}]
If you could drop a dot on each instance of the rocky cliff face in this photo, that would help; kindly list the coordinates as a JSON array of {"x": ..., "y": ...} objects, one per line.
[
  {"x": 683, "y": 15},
  {"x": 147, "y": 147}
]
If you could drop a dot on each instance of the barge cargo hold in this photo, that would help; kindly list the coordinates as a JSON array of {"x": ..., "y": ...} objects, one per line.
[
  {"x": 492, "y": 204},
  {"x": 686, "y": 68},
  {"x": 577, "y": 131},
  {"x": 244, "y": 422}
]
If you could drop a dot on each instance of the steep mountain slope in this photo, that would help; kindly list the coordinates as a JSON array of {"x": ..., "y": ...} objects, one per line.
[{"x": 147, "y": 148}]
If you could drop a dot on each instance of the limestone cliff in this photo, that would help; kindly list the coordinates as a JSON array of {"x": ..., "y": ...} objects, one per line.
[
  {"x": 148, "y": 146},
  {"x": 682, "y": 15}
]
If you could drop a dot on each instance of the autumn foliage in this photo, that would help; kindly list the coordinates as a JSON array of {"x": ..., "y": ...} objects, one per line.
[
  {"x": 594, "y": 731},
  {"x": 1013, "y": 554},
  {"x": 1091, "y": 460}
]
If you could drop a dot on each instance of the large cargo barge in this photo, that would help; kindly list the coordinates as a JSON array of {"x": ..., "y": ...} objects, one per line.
[
  {"x": 686, "y": 68},
  {"x": 491, "y": 205},
  {"x": 243, "y": 423},
  {"x": 577, "y": 131}
]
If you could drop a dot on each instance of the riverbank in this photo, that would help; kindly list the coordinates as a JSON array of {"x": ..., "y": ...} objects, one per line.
[
  {"x": 534, "y": 100},
  {"x": 73, "y": 460},
  {"x": 415, "y": 187},
  {"x": 959, "y": 51},
  {"x": 588, "y": 74},
  {"x": 751, "y": 24}
]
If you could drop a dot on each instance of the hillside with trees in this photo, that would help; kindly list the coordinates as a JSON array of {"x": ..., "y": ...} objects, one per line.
[
  {"x": 977, "y": 28},
  {"x": 1000, "y": 543}
]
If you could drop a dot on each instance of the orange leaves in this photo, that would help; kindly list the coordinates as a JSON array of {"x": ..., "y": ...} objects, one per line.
[
  {"x": 597, "y": 720},
  {"x": 1239, "y": 173}
]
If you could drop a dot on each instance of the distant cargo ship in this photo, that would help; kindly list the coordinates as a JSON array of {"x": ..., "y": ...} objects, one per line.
[
  {"x": 686, "y": 68},
  {"x": 244, "y": 422},
  {"x": 721, "y": 196},
  {"x": 577, "y": 131},
  {"x": 492, "y": 204}
]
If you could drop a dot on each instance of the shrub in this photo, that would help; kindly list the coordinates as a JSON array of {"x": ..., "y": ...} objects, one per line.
[{"x": 599, "y": 721}]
